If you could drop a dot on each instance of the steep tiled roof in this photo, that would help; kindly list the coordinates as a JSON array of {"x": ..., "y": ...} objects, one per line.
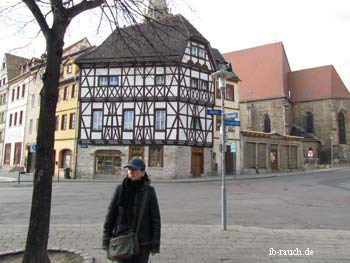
[
  {"x": 163, "y": 40},
  {"x": 316, "y": 83},
  {"x": 263, "y": 71}
]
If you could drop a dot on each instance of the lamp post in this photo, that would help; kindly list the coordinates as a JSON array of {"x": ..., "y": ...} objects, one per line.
[
  {"x": 331, "y": 150},
  {"x": 224, "y": 72}
]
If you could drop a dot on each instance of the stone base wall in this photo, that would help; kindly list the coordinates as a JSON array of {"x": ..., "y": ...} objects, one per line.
[{"x": 177, "y": 161}]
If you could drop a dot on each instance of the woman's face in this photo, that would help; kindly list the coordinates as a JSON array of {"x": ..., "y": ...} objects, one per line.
[{"x": 135, "y": 175}]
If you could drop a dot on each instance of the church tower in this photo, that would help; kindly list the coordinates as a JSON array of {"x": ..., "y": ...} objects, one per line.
[{"x": 157, "y": 9}]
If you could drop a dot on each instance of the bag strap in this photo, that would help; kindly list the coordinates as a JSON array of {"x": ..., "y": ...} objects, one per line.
[{"x": 142, "y": 210}]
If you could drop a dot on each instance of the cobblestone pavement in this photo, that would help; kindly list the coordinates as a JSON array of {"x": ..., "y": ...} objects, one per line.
[{"x": 208, "y": 244}]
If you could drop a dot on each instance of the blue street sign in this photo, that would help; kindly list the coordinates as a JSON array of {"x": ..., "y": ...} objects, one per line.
[
  {"x": 32, "y": 148},
  {"x": 232, "y": 123},
  {"x": 231, "y": 116},
  {"x": 214, "y": 112},
  {"x": 83, "y": 146}
]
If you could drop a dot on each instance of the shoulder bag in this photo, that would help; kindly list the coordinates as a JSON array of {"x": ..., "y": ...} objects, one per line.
[{"x": 126, "y": 246}]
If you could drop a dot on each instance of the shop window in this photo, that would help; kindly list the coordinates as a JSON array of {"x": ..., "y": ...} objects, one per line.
[
  {"x": 108, "y": 163},
  {"x": 17, "y": 156},
  {"x": 155, "y": 156},
  {"x": 7, "y": 153},
  {"x": 135, "y": 152}
]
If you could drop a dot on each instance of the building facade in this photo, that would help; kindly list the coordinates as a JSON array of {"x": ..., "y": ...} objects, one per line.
[
  {"x": 9, "y": 69},
  {"x": 149, "y": 100},
  {"x": 67, "y": 110}
]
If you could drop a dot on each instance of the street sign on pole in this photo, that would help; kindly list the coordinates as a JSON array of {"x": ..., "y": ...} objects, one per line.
[
  {"x": 233, "y": 147},
  {"x": 231, "y": 116},
  {"x": 232, "y": 123},
  {"x": 214, "y": 112}
]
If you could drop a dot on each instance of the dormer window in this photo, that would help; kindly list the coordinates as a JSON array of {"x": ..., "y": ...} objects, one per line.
[
  {"x": 69, "y": 68},
  {"x": 197, "y": 52}
]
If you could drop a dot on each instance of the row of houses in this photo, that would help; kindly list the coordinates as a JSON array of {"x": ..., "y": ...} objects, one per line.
[{"x": 145, "y": 93}]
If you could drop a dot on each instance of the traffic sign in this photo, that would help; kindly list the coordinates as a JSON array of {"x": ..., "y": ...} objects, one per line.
[
  {"x": 32, "y": 148},
  {"x": 214, "y": 112},
  {"x": 232, "y": 123},
  {"x": 233, "y": 147},
  {"x": 231, "y": 116}
]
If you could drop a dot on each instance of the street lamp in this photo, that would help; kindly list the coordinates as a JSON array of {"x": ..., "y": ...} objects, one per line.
[
  {"x": 331, "y": 150},
  {"x": 224, "y": 73}
]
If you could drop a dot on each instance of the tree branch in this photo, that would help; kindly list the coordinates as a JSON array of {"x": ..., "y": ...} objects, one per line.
[
  {"x": 34, "y": 8},
  {"x": 83, "y": 6}
]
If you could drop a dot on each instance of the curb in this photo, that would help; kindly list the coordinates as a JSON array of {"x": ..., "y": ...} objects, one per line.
[{"x": 86, "y": 257}]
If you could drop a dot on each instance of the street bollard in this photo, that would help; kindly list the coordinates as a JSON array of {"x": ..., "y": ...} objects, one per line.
[{"x": 19, "y": 177}]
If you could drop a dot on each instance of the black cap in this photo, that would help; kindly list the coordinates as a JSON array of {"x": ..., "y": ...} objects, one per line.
[{"x": 136, "y": 164}]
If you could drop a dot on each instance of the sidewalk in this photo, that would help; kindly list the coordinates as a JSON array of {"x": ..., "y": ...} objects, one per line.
[
  {"x": 8, "y": 177},
  {"x": 205, "y": 244}
]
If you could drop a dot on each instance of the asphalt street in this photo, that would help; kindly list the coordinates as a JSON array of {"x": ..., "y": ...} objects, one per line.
[
  {"x": 296, "y": 213},
  {"x": 318, "y": 200}
]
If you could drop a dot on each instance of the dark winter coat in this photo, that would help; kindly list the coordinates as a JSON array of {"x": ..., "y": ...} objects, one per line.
[{"x": 123, "y": 213}]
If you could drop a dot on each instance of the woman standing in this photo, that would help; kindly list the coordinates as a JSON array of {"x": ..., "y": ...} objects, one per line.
[{"x": 123, "y": 212}]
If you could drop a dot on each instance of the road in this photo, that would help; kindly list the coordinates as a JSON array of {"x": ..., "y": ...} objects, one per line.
[{"x": 318, "y": 200}]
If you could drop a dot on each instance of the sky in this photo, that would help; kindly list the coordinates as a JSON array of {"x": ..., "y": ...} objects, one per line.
[{"x": 314, "y": 32}]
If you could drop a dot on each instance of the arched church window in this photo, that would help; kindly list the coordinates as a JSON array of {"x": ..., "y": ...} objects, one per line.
[
  {"x": 309, "y": 122},
  {"x": 267, "y": 123},
  {"x": 341, "y": 128}
]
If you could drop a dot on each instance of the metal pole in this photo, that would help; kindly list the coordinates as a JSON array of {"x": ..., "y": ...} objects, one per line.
[
  {"x": 222, "y": 85},
  {"x": 331, "y": 151}
]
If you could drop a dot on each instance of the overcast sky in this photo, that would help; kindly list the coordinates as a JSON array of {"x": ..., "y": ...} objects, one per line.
[{"x": 314, "y": 32}]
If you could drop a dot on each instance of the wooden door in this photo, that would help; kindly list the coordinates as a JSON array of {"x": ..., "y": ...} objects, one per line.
[
  {"x": 274, "y": 157},
  {"x": 197, "y": 162}
]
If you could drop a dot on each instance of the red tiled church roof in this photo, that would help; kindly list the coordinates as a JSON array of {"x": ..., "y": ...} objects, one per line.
[
  {"x": 265, "y": 74},
  {"x": 263, "y": 71},
  {"x": 316, "y": 83}
]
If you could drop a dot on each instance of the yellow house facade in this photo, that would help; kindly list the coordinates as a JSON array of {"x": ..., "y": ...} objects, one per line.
[
  {"x": 66, "y": 130},
  {"x": 233, "y": 149}
]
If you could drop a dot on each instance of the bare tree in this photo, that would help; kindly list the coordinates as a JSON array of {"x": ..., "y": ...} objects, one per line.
[{"x": 53, "y": 18}]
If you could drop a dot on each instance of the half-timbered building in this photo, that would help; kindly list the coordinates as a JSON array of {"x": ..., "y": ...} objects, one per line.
[{"x": 145, "y": 92}]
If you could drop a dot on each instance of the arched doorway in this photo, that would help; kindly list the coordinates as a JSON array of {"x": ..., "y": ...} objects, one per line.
[
  {"x": 108, "y": 162},
  {"x": 66, "y": 159}
]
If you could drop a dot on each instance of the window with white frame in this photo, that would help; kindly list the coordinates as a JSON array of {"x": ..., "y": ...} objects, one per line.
[
  {"x": 97, "y": 116},
  {"x": 33, "y": 101},
  {"x": 194, "y": 83},
  {"x": 204, "y": 85},
  {"x": 160, "y": 80},
  {"x": 113, "y": 80},
  {"x": 160, "y": 120},
  {"x": 102, "y": 81},
  {"x": 128, "y": 120},
  {"x": 196, "y": 123}
]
